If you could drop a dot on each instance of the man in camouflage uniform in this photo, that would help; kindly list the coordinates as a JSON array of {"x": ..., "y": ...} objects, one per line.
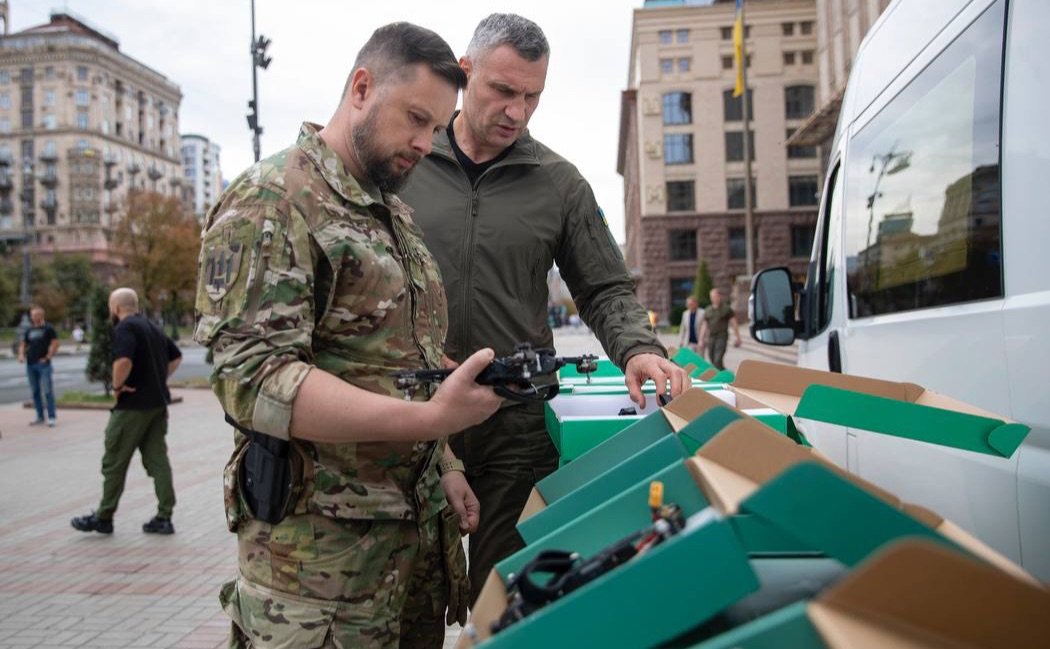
[
  {"x": 498, "y": 208},
  {"x": 314, "y": 287}
]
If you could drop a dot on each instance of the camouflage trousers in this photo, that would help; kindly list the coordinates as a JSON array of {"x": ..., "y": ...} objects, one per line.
[{"x": 317, "y": 582}]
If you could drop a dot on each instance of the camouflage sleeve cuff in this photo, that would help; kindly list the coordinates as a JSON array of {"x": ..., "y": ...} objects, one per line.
[{"x": 272, "y": 414}]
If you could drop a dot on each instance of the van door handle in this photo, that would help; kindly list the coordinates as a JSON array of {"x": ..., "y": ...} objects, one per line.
[{"x": 834, "y": 355}]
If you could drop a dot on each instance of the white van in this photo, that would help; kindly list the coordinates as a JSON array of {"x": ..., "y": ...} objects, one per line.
[{"x": 931, "y": 262}]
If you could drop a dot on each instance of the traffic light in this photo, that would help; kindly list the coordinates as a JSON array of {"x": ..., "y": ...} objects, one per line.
[{"x": 259, "y": 52}]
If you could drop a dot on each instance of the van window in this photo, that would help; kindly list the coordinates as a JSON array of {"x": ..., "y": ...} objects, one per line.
[
  {"x": 923, "y": 186},
  {"x": 820, "y": 278}
]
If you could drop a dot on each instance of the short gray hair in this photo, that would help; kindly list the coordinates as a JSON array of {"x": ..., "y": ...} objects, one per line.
[{"x": 522, "y": 34}]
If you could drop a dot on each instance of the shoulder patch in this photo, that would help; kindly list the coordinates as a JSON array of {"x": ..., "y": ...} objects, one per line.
[{"x": 221, "y": 262}]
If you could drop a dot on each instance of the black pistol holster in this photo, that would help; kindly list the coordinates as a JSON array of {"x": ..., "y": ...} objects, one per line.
[{"x": 265, "y": 475}]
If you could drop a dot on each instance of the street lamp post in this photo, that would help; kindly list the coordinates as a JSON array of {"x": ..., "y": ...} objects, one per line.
[{"x": 259, "y": 60}]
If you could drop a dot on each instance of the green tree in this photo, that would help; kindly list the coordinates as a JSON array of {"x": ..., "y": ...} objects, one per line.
[
  {"x": 702, "y": 285},
  {"x": 10, "y": 271},
  {"x": 100, "y": 356},
  {"x": 45, "y": 290},
  {"x": 160, "y": 241},
  {"x": 75, "y": 279}
]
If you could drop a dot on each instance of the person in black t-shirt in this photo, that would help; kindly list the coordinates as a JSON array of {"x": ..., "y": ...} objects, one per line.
[
  {"x": 143, "y": 359},
  {"x": 38, "y": 346}
]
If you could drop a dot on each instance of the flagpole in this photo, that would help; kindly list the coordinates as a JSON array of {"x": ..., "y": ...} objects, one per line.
[{"x": 748, "y": 207}]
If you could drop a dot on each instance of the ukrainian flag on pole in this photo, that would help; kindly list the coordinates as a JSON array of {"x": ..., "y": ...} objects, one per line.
[{"x": 738, "y": 48}]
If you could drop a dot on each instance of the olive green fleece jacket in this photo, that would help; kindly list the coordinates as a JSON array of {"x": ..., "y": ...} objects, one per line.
[{"x": 495, "y": 241}]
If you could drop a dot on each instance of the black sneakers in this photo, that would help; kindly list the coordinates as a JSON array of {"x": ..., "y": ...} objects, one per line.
[
  {"x": 92, "y": 523},
  {"x": 158, "y": 525}
]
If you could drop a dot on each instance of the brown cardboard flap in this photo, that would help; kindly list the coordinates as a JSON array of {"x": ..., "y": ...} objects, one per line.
[
  {"x": 688, "y": 406},
  {"x": 747, "y": 454},
  {"x": 781, "y": 386},
  {"x": 919, "y": 595},
  {"x": 534, "y": 505},
  {"x": 492, "y": 601},
  {"x": 937, "y": 400},
  {"x": 707, "y": 374}
]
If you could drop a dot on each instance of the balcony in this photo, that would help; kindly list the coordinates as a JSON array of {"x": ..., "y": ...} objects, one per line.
[
  {"x": 5, "y": 181},
  {"x": 154, "y": 174},
  {"x": 49, "y": 204},
  {"x": 49, "y": 156},
  {"x": 49, "y": 178},
  {"x": 134, "y": 169},
  {"x": 6, "y": 207}
]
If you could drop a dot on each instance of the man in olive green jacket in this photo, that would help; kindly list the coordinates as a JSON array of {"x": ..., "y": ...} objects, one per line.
[{"x": 498, "y": 209}]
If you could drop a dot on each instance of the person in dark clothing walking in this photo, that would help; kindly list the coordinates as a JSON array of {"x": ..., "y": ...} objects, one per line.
[
  {"x": 39, "y": 344},
  {"x": 143, "y": 359},
  {"x": 714, "y": 333}
]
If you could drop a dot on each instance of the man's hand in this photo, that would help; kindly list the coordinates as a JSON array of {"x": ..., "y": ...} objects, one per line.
[
  {"x": 122, "y": 389},
  {"x": 737, "y": 343},
  {"x": 461, "y": 402},
  {"x": 644, "y": 367},
  {"x": 463, "y": 500}
]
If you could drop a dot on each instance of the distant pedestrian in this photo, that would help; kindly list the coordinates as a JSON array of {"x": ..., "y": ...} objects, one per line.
[
  {"x": 38, "y": 347},
  {"x": 714, "y": 333},
  {"x": 689, "y": 328},
  {"x": 78, "y": 335},
  {"x": 143, "y": 359}
]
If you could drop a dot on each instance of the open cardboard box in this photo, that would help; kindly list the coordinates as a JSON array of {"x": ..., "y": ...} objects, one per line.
[
  {"x": 631, "y": 440},
  {"x": 914, "y": 594},
  {"x": 817, "y": 503},
  {"x": 900, "y": 409}
]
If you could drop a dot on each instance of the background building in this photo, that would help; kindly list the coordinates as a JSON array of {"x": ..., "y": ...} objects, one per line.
[
  {"x": 200, "y": 165},
  {"x": 80, "y": 125},
  {"x": 681, "y": 144},
  {"x": 841, "y": 27}
]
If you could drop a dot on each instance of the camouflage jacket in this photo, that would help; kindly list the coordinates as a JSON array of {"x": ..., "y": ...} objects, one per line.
[{"x": 300, "y": 268}]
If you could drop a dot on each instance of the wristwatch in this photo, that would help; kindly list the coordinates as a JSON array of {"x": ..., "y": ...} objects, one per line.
[{"x": 444, "y": 466}]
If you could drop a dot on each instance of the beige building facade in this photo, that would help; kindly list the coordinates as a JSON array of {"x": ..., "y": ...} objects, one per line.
[
  {"x": 81, "y": 124},
  {"x": 681, "y": 144},
  {"x": 841, "y": 27}
]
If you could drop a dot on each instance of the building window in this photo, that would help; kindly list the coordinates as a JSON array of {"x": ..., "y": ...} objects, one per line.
[
  {"x": 82, "y": 120},
  {"x": 27, "y": 119},
  {"x": 789, "y": 58},
  {"x": 678, "y": 148},
  {"x": 802, "y": 191},
  {"x": 807, "y": 57},
  {"x": 681, "y": 196},
  {"x": 50, "y": 148},
  {"x": 5, "y": 77},
  {"x": 82, "y": 73},
  {"x": 681, "y": 288},
  {"x": 49, "y": 73},
  {"x": 81, "y": 97},
  {"x": 802, "y": 240},
  {"x": 681, "y": 35},
  {"x": 735, "y": 145},
  {"x": 684, "y": 65},
  {"x": 666, "y": 66},
  {"x": 788, "y": 29},
  {"x": 678, "y": 108},
  {"x": 798, "y": 101},
  {"x": 735, "y": 193},
  {"x": 49, "y": 97},
  {"x": 799, "y": 152},
  {"x": 665, "y": 37},
  {"x": 26, "y": 75},
  {"x": 681, "y": 245},
  {"x": 727, "y": 63},
  {"x": 5, "y": 100},
  {"x": 733, "y": 107},
  {"x": 736, "y": 242},
  {"x": 805, "y": 27},
  {"x": 727, "y": 33},
  {"x": 5, "y": 125}
]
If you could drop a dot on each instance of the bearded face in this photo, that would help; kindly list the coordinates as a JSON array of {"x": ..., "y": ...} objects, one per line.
[{"x": 387, "y": 166}]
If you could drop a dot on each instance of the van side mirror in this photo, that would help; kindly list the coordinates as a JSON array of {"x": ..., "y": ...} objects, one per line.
[{"x": 771, "y": 307}]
